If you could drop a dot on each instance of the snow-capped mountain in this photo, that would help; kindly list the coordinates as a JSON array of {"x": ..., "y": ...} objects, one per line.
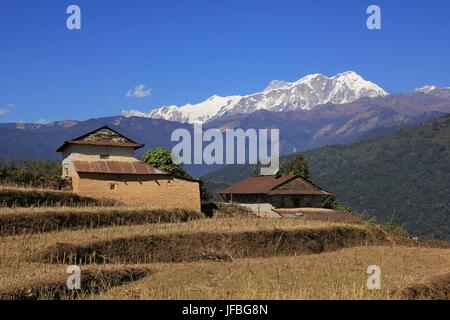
[
  {"x": 435, "y": 91},
  {"x": 190, "y": 113},
  {"x": 304, "y": 94}
]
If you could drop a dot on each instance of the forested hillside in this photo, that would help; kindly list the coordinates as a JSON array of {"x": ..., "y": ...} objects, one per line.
[{"x": 402, "y": 177}]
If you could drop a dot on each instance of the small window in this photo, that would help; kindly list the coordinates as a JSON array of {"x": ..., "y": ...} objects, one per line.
[
  {"x": 104, "y": 156},
  {"x": 112, "y": 186},
  {"x": 66, "y": 170}
]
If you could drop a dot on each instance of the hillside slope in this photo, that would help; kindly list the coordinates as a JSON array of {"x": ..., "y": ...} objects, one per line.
[{"x": 403, "y": 177}]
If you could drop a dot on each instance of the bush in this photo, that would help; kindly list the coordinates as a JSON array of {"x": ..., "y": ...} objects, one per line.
[
  {"x": 32, "y": 174},
  {"x": 332, "y": 203},
  {"x": 395, "y": 228}
]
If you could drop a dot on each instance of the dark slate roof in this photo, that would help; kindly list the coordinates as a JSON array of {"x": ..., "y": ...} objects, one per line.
[{"x": 90, "y": 139}]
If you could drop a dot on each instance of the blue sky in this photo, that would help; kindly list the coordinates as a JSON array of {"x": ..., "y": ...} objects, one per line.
[{"x": 188, "y": 50}]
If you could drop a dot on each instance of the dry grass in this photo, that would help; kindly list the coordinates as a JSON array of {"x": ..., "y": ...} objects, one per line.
[
  {"x": 15, "y": 251},
  {"x": 225, "y": 210},
  {"x": 72, "y": 209},
  {"x": 27, "y": 197},
  {"x": 44, "y": 219},
  {"x": 331, "y": 275},
  {"x": 16, "y": 187},
  {"x": 436, "y": 288},
  {"x": 22, "y": 246},
  {"x": 50, "y": 283},
  {"x": 221, "y": 246},
  {"x": 237, "y": 224}
]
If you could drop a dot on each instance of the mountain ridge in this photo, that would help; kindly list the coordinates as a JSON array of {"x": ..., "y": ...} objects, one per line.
[
  {"x": 436, "y": 91},
  {"x": 299, "y": 129},
  {"x": 303, "y": 94}
]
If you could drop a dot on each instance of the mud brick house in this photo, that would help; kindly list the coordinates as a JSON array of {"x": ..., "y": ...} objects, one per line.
[
  {"x": 266, "y": 193},
  {"x": 101, "y": 164}
]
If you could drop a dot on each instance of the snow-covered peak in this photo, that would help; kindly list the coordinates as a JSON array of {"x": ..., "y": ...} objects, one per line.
[
  {"x": 435, "y": 91},
  {"x": 277, "y": 84},
  {"x": 191, "y": 113},
  {"x": 310, "y": 77},
  {"x": 352, "y": 82},
  {"x": 305, "y": 93},
  {"x": 426, "y": 89},
  {"x": 349, "y": 80}
]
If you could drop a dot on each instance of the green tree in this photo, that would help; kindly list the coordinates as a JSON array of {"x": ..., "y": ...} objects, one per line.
[
  {"x": 161, "y": 158},
  {"x": 296, "y": 165}
]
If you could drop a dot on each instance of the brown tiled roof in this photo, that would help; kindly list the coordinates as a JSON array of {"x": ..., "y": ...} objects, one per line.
[
  {"x": 257, "y": 185},
  {"x": 299, "y": 186},
  {"x": 300, "y": 192},
  {"x": 116, "y": 167},
  {"x": 272, "y": 185}
]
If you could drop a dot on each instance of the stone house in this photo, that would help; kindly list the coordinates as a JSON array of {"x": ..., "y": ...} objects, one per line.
[
  {"x": 102, "y": 164},
  {"x": 268, "y": 193}
]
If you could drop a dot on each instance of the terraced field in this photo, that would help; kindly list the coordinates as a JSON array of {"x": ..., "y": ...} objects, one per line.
[{"x": 138, "y": 253}]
